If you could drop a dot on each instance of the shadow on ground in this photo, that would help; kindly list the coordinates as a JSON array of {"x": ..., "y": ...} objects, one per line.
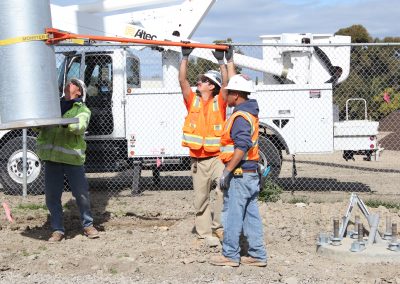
[
  {"x": 321, "y": 185},
  {"x": 72, "y": 221}
]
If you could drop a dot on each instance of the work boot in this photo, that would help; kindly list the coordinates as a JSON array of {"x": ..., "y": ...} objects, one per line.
[
  {"x": 221, "y": 260},
  {"x": 91, "y": 232},
  {"x": 219, "y": 233},
  {"x": 56, "y": 236},
  {"x": 248, "y": 260}
]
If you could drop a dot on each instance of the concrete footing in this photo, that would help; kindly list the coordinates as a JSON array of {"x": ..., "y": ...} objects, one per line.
[{"x": 375, "y": 253}]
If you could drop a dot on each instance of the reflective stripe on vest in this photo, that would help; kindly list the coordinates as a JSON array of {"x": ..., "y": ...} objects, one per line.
[{"x": 73, "y": 152}]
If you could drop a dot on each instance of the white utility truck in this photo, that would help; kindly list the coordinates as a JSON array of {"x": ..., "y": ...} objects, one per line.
[{"x": 137, "y": 115}]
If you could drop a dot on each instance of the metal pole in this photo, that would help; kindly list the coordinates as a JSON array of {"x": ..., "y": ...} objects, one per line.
[
  {"x": 360, "y": 230},
  {"x": 24, "y": 163},
  {"x": 336, "y": 240},
  {"x": 394, "y": 232},
  {"x": 374, "y": 222},
  {"x": 388, "y": 233}
]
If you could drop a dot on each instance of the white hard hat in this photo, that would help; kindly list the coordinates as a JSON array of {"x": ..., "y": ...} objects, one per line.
[
  {"x": 81, "y": 85},
  {"x": 240, "y": 82},
  {"x": 214, "y": 76}
]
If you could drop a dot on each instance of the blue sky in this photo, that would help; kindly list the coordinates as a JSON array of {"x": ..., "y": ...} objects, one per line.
[{"x": 245, "y": 20}]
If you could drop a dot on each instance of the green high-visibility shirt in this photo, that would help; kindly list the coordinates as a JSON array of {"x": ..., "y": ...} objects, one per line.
[{"x": 65, "y": 144}]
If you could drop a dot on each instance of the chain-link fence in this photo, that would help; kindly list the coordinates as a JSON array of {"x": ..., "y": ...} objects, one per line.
[{"x": 329, "y": 116}]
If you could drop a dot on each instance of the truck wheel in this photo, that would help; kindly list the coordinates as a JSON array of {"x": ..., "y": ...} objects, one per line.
[
  {"x": 270, "y": 155},
  {"x": 11, "y": 171}
]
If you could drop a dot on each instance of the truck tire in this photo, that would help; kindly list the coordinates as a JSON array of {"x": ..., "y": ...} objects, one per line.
[
  {"x": 11, "y": 172},
  {"x": 270, "y": 155}
]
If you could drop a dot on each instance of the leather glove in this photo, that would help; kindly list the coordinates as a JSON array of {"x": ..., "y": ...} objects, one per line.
[
  {"x": 219, "y": 55},
  {"x": 225, "y": 179},
  {"x": 229, "y": 54},
  {"x": 186, "y": 50}
]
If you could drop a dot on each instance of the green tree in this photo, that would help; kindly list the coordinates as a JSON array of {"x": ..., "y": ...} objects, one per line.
[
  {"x": 358, "y": 33},
  {"x": 373, "y": 71},
  {"x": 385, "y": 107},
  {"x": 391, "y": 39}
]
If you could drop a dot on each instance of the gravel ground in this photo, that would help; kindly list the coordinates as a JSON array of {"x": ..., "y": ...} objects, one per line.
[{"x": 149, "y": 239}]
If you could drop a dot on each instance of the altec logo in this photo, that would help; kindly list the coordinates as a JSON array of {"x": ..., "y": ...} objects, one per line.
[
  {"x": 132, "y": 31},
  {"x": 142, "y": 34}
]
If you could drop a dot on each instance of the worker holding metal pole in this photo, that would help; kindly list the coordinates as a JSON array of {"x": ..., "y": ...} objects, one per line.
[
  {"x": 63, "y": 148},
  {"x": 202, "y": 130}
]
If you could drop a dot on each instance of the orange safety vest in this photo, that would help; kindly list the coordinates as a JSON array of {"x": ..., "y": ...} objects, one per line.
[
  {"x": 227, "y": 144},
  {"x": 200, "y": 131}
]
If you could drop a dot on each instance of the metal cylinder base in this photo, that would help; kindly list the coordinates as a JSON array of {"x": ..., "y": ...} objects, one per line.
[
  {"x": 29, "y": 123},
  {"x": 323, "y": 239},
  {"x": 357, "y": 246},
  {"x": 336, "y": 241},
  {"x": 394, "y": 246},
  {"x": 387, "y": 236}
]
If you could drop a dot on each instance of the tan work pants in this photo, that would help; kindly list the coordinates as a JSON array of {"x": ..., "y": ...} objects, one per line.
[{"x": 205, "y": 174}]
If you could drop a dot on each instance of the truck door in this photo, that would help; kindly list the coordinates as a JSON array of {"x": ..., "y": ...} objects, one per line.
[
  {"x": 97, "y": 75},
  {"x": 98, "y": 79}
]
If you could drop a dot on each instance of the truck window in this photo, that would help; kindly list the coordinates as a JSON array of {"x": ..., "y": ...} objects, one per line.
[
  {"x": 99, "y": 82},
  {"x": 98, "y": 75},
  {"x": 74, "y": 69},
  {"x": 132, "y": 72}
]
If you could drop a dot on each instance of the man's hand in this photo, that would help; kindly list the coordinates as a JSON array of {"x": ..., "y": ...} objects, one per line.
[
  {"x": 225, "y": 179},
  {"x": 229, "y": 54},
  {"x": 186, "y": 51},
  {"x": 219, "y": 55}
]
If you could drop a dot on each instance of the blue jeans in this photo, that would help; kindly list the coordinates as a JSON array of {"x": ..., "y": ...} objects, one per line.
[
  {"x": 241, "y": 213},
  {"x": 54, "y": 187}
]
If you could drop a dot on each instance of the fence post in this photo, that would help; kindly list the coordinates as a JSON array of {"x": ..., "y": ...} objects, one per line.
[{"x": 24, "y": 161}]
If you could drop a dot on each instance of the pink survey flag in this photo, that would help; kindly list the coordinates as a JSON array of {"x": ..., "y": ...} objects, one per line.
[
  {"x": 7, "y": 210},
  {"x": 386, "y": 97},
  {"x": 158, "y": 163}
]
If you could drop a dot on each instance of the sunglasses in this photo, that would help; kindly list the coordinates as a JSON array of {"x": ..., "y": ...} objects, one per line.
[{"x": 204, "y": 80}]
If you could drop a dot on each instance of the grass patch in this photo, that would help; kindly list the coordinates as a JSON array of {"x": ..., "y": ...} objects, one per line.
[
  {"x": 271, "y": 192},
  {"x": 123, "y": 255},
  {"x": 42, "y": 248},
  {"x": 31, "y": 206},
  {"x": 375, "y": 203},
  {"x": 299, "y": 199},
  {"x": 120, "y": 213},
  {"x": 113, "y": 271}
]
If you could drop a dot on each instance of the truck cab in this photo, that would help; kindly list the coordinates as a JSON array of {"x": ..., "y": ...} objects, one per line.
[{"x": 107, "y": 75}]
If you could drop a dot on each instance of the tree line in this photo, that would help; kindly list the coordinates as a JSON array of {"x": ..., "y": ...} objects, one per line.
[{"x": 374, "y": 75}]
